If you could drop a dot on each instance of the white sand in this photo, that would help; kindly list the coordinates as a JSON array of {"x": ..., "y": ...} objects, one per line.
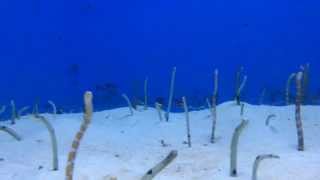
[{"x": 127, "y": 146}]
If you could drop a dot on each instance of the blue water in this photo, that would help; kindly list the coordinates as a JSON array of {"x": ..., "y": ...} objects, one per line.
[{"x": 58, "y": 49}]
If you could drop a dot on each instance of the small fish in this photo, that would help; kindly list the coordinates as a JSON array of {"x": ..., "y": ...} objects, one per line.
[
  {"x": 111, "y": 88},
  {"x": 160, "y": 100},
  {"x": 178, "y": 102},
  {"x": 74, "y": 69}
]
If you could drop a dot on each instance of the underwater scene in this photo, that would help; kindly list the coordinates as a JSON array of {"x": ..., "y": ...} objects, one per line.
[{"x": 163, "y": 90}]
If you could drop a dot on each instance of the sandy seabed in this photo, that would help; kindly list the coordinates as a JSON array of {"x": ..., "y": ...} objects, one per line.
[{"x": 124, "y": 146}]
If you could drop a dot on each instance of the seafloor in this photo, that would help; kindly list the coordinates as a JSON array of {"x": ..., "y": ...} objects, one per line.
[{"x": 124, "y": 146}]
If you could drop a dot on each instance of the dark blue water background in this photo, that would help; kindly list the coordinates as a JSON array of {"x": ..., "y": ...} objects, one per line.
[{"x": 58, "y": 49}]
